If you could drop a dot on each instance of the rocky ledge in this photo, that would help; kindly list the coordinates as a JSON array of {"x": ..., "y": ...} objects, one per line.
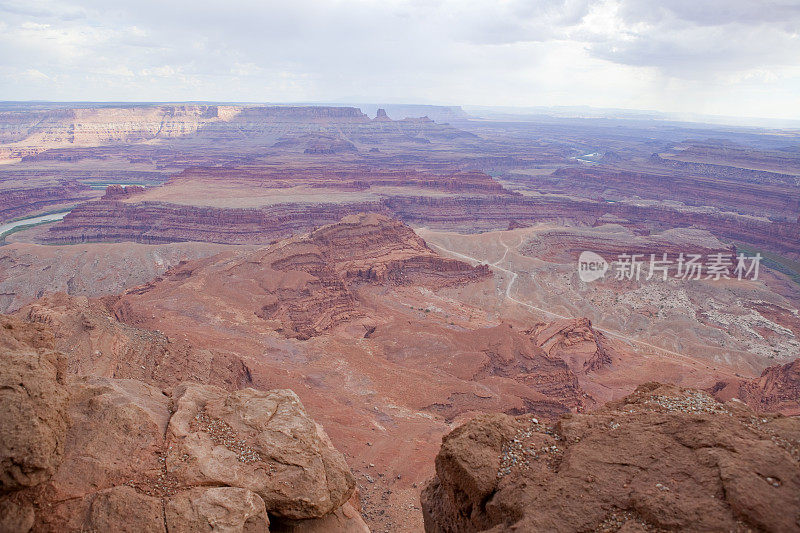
[
  {"x": 99, "y": 454},
  {"x": 777, "y": 389},
  {"x": 663, "y": 458}
]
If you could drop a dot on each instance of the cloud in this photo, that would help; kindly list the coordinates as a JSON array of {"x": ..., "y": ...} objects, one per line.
[
  {"x": 617, "y": 53},
  {"x": 784, "y": 13},
  {"x": 699, "y": 40},
  {"x": 33, "y": 75}
]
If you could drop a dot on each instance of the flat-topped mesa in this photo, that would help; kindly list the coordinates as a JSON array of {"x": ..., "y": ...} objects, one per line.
[
  {"x": 621, "y": 468},
  {"x": 161, "y": 222},
  {"x": 611, "y": 239},
  {"x": 301, "y": 286},
  {"x": 723, "y": 171},
  {"x": 108, "y": 125},
  {"x": 128, "y": 215},
  {"x": 357, "y": 177},
  {"x": 34, "y": 132},
  {"x": 777, "y": 200},
  {"x": 374, "y": 247},
  {"x": 485, "y": 208},
  {"x": 736, "y": 154},
  {"x": 120, "y": 192},
  {"x": 495, "y": 212},
  {"x": 294, "y": 113}
]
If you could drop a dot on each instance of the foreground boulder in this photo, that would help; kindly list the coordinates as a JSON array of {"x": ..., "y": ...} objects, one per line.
[
  {"x": 33, "y": 403},
  {"x": 662, "y": 458},
  {"x": 100, "y": 454},
  {"x": 262, "y": 441}
]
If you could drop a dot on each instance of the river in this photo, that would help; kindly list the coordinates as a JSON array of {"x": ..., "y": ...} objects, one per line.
[{"x": 41, "y": 219}]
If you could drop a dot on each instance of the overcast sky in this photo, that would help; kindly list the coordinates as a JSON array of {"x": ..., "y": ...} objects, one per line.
[{"x": 729, "y": 57}]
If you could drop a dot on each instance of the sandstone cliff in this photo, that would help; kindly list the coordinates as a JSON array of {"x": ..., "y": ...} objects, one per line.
[
  {"x": 19, "y": 201},
  {"x": 160, "y": 222},
  {"x": 104, "y": 125},
  {"x": 119, "y": 192},
  {"x": 661, "y": 459}
]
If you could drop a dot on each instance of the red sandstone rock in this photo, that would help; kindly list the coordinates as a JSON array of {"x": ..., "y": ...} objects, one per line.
[
  {"x": 119, "y": 192},
  {"x": 155, "y": 222},
  {"x": 216, "y": 509},
  {"x": 97, "y": 344},
  {"x": 33, "y": 402},
  {"x": 261, "y": 441},
  {"x": 343, "y": 520},
  {"x": 777, "y": 390},
  {"x": 663, "y": 458},
  {"x": 20, "y": 201},
  {"x": 119, "y": 455},
  {"x": 303, "y": 285},
  {"x": 123, "y": 509},
  {"x": 582, "y": 347}
]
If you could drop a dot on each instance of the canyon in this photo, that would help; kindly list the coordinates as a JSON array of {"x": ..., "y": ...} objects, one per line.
[
  {"x": 352, "y": 318},
  {"x": 160, "y": 222}
]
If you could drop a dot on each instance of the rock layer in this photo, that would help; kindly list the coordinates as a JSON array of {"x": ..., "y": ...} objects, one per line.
[
  {"x": 303, "y": 285},
  {"x": 758, "y": 198},
  {"x": 20, "y": 201},
  {"x": 159, "y": 222}
]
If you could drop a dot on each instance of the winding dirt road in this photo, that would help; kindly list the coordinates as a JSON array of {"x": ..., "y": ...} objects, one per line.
[{"x": 513, "y": 278}]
